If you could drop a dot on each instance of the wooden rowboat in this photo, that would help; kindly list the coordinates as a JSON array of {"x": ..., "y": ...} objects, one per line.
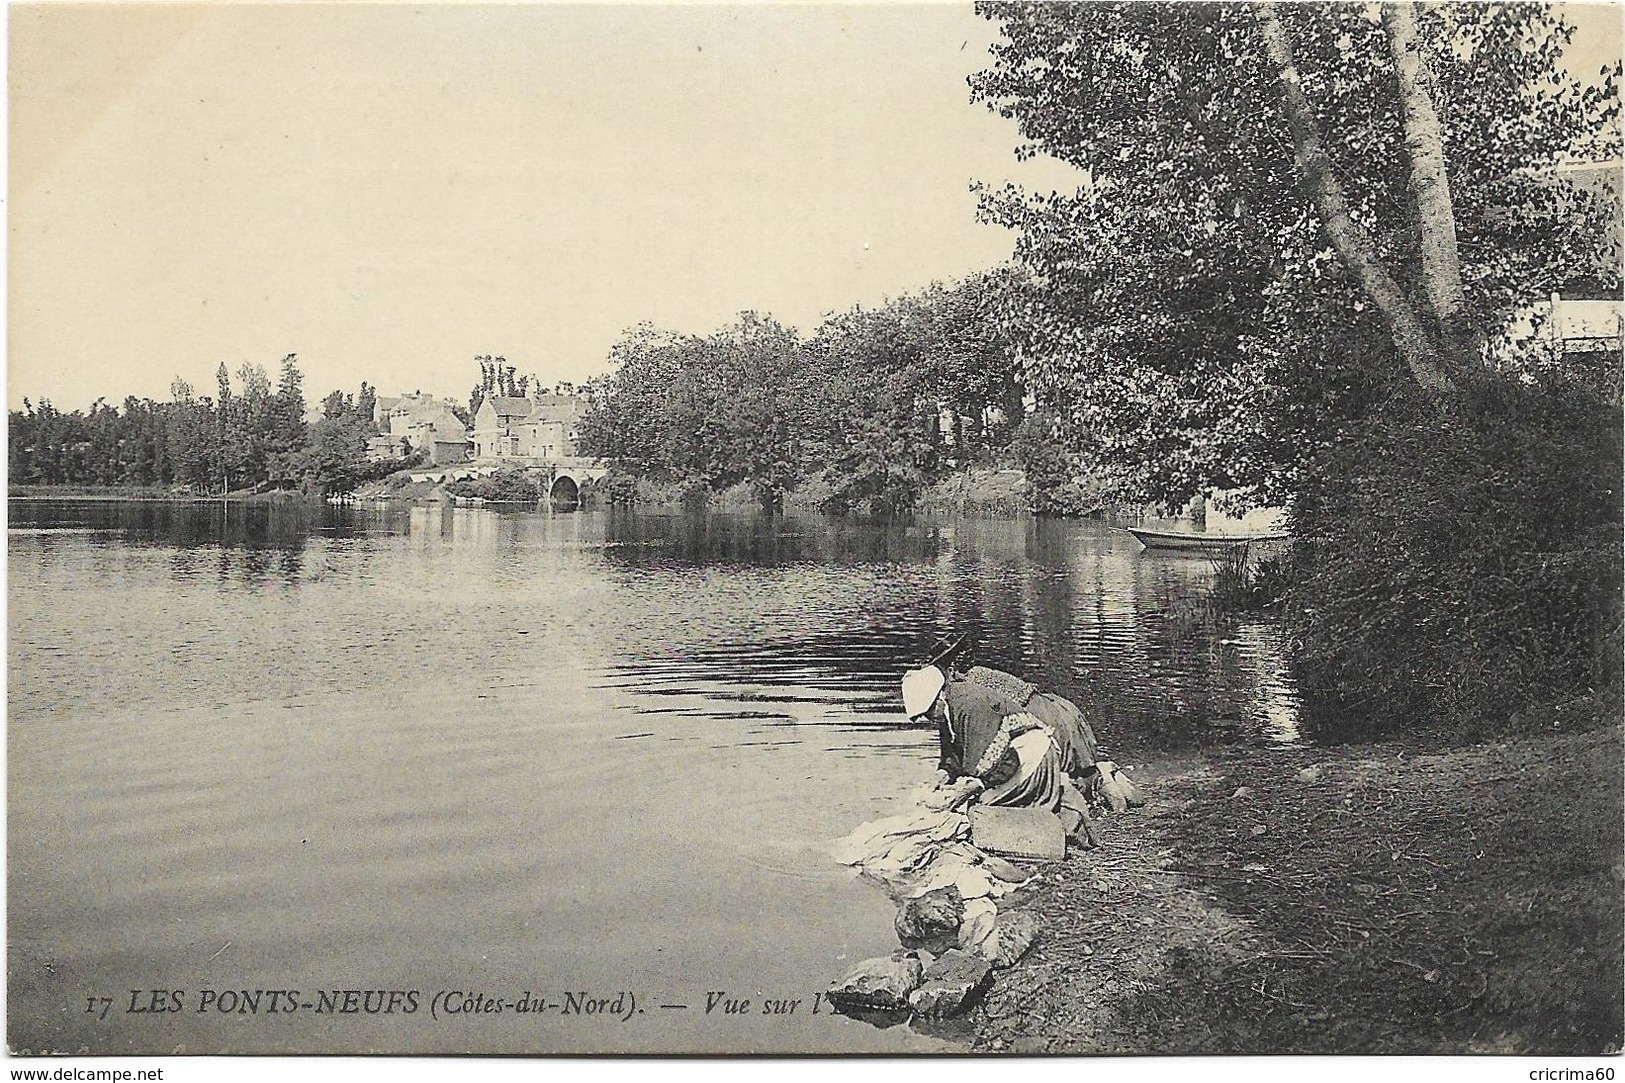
[{"x": 1188, "y": 542}]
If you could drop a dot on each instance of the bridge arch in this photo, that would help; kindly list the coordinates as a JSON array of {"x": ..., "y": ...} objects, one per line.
[{"x": 565, "y": 491}]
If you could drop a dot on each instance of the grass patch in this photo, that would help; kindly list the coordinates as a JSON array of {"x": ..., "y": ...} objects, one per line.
[{"x": 1382, "y": 899}]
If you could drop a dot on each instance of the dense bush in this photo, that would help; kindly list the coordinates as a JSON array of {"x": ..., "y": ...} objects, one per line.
[
  {"x": 613, "y": 490},
  {"x": 1460, "y": 559},
  {"x": 504, "y": 486},
  {"x": 1060, "y": 482}
]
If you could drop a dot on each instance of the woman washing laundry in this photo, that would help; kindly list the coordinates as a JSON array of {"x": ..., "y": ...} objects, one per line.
[{"x": 1004, "y": 743}]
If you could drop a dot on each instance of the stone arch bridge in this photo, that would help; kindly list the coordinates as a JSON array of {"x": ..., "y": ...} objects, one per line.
[
  {"x": 562, "y": 478},
  {"x": 567, "y": 477}
]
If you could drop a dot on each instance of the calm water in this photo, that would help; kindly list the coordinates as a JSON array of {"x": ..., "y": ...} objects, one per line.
[{"x": 461, "y": 751}]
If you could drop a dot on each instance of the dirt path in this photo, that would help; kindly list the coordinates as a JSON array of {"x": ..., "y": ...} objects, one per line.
[{"x": 1379, "y": 899}]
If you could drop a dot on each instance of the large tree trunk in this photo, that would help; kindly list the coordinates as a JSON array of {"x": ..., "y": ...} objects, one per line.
[
  {"x": 1354, "y": 247},
  {"x": 1436, "y": 215}
]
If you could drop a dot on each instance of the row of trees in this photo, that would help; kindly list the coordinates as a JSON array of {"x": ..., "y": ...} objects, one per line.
[
  {"x": 251, "y": 436},
  {"x": 497, "y": 378},
  {"x": 1297, "y": 228},
  {"x": 1285, "y": 213},
  {"x": 875, "y": 404}
]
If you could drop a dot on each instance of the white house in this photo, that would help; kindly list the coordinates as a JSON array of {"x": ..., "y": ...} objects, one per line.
[
  {"x": 540, "y": 427},
  {"x": 1579, "y": 328}
]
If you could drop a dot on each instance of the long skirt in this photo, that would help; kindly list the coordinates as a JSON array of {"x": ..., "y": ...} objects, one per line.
[
  {"x": 1074, "y": 738},
  {"x": 1040, "y": 781}
]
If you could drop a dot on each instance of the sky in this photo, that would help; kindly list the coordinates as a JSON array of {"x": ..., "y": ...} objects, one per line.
[{"x": 391, "y": 190}]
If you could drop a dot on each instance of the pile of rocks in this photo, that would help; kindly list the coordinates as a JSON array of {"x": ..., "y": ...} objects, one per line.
[
  {"x": 934, "y": 974},
  {"x": 912, "y": 980},
  {"x": 952, "y": 940}
]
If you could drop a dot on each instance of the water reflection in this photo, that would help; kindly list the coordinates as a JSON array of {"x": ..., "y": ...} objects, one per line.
[
  {"x": 844, "y": 606},
  {"x": 723, "y": 540},
  {"x": 733, "y": 607},
  {"x": 231, "y": 542},
  {"x": 606, "y": 748}
]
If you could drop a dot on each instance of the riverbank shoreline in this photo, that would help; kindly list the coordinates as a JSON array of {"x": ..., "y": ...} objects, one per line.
[
  {"x": 973, "y": 493},
  {"x": 980, "y": 492},
  {"x": 976, "y": 493},
  {"x": 114, "y": 494},
  {"x": 1389, "y": 898}
]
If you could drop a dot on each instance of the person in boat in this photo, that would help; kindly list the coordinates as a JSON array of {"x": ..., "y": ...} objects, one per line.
[{"x": 1003, "y": 742}]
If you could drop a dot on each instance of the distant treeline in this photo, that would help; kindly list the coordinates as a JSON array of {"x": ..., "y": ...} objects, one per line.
[
  {"x": 251, "y": 437},
  {"x": 873, "y": 407}
]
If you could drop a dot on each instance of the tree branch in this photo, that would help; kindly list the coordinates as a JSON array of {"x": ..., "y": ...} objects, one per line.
[
  {"x": 1354, "y": 247},
  {"x": 1424, "y": 142}
]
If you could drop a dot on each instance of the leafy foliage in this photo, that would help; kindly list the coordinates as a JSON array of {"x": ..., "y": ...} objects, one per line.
[
  {"x": 249, "y": 437},
  {"x": 1466, "y": 559},
  {"x": 337, "y": 453},
  {"x": 878, "y": 403},
  {"x": 1062, "y": 479},
  {"x": 504, "y": 486},
  {"x": 713, "y": 410},
  {"x": 873, "y": 406},
  {"x": 1185, "y": 314}
]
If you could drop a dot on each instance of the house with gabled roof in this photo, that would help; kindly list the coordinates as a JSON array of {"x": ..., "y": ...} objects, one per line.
[
  {"x": 416, "y": 421},
  {"x": 443, "y": 436},
  {"x": 539, "y": 427}
]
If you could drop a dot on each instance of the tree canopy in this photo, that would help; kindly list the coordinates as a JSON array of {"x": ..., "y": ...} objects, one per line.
[
  {"x": 876, "y": 404},
  {"x": 1257, "y": 223},
  {"x": 250, "y": 436}
]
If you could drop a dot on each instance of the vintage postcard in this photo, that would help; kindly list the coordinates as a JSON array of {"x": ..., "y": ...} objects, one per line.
[{"x": 814, "y": 529}]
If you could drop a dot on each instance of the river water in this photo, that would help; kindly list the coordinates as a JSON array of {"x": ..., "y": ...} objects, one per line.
[{"x": 458, "y": 754}]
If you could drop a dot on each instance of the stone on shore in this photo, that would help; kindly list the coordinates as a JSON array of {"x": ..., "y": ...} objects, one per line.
[
  {"x": 978, "y": 933},
  {"x": 1013, "y": 937},
  {"x": 1116, "y": 789},
  {"x": 881, "y": 984},
  {"x": 951, "y": 984},
  {"x": 931, "y": 921}
]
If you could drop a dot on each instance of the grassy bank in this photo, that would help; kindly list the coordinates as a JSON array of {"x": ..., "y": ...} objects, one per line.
[
  {"x": 979, "y": 492},
  {"x": 1375, "y": 899}
]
